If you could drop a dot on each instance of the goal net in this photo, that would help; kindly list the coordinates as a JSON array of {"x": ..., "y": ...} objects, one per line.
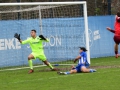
[{"x": 63, "y": 23}]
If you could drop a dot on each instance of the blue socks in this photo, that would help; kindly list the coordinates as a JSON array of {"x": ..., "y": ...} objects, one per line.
[
  {"x": 92, "y": 70},
  {"x": 67, "y": 72}
]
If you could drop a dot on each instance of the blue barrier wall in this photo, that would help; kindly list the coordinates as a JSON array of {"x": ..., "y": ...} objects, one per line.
[
  {"x": 102, "y": 40},
  {"x": 65, "y": 35}
]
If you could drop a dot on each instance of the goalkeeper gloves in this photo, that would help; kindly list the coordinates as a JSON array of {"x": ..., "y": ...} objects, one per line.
[
  {"x": 16, "y": 35},
  {"x": 42, "y": 37}
]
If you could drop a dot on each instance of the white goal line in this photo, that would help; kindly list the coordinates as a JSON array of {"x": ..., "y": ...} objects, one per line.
[{"x": 12, "y": 69}]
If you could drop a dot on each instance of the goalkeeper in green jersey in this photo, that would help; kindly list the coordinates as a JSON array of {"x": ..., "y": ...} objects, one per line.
[{"x": 36, "y": 45}]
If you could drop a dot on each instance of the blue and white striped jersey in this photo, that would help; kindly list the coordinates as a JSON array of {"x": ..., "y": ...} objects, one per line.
[{"x": 83, "y": 59}]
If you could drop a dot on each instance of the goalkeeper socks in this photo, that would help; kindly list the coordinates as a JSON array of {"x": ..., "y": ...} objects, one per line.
[
  {"x": 30, "y": 64},
  {"x": 50, "y": 66}
]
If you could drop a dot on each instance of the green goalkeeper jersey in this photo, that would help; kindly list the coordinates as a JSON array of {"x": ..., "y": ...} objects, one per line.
[{"x": 35, "y": 44}]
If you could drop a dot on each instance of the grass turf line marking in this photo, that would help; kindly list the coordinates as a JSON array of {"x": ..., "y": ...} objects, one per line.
[
  {"x": 12, "y": 69},
  {"x": 59, "y": 76},
  {"x": 106, "y": 62},
  {"x": 44, "y": 65}
]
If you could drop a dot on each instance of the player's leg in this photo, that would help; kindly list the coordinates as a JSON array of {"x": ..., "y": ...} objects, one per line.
[
  {"x": 72, "y": 67},
  {"x": 30, "y": 57},
  {"x": 48, "y": 64},
  {"x": 44, "y": 59},
  {"x": 117, "y": 41},
  {"x": 78, "y": 69},
  {"x": 116, "y": 50},
  {"x": 86, "y": 70},
  {"x": 69, "y": 72},
  {"x": 74, "y": 70}
]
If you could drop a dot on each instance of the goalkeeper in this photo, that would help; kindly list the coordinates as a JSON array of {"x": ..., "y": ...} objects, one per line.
[
  {"x": 82, "y": 64},
  {"x": 35, "y": 43}
]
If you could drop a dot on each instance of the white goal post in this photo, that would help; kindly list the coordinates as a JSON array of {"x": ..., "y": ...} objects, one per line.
[{"x": 52, "y": 5}]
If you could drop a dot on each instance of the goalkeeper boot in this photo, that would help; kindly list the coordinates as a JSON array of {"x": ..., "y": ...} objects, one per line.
[
  {"x": 31, "y": 71},
  {"x": 54, "y": 69}
]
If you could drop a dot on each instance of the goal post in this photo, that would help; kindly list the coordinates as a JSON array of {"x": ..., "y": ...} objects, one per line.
[
  {"x": 40, "y": 20},
  {"x": 86, "y": 32},
  {"x": 65, "y": 24}
]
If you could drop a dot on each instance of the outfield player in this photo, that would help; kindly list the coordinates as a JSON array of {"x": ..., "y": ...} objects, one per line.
[
  {"x": 36, "y": 45},
  {"x": 116, "y": 33},
  {"x": 82, "y": 64}
]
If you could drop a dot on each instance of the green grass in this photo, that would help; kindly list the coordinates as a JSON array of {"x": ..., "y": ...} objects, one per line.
[{"x": 103, "y": 79}]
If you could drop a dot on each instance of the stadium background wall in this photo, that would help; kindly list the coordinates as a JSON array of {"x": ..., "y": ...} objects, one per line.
[{"x": 101, "y": 41}]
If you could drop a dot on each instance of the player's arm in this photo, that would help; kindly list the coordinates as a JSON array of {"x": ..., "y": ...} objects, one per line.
[
  {"x": 77, "y": 58},
  {"x": 109, "y": 29},
  {"x": 43, "y": 38},
  {"x": 24, "y": 42}
]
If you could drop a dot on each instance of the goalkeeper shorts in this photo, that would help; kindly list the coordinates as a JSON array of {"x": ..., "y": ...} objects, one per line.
[{"x": 39, "y": 56}]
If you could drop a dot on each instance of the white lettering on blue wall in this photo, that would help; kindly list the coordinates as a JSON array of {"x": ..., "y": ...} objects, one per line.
[
  {"x": 53, "y": 41},
  {"x": 7, "y": 44},
  {"x": 96, "y": 35}
]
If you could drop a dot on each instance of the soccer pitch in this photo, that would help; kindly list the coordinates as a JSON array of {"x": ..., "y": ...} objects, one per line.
[{"x": 107, "y": 77}]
